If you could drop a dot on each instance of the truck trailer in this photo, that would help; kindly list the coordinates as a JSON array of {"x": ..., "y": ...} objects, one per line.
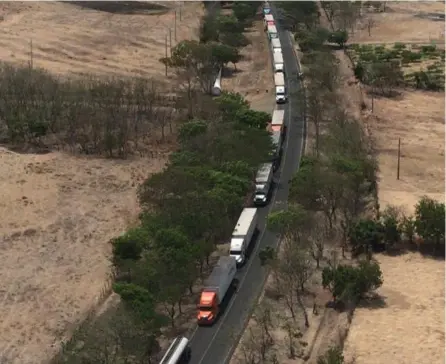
[
  {"x": 215, "y": 289},
  {"x": 272, "y": 32},
  {"x": 279, "y": 82},
  {"x": 179, "y": 352},
  {"x": 242, "y": 234},
  {"x": 276, "y": 154},
  {"x": 264, "y": 179},
  {"x": 268, "y": 20},
  {"x": 278, "y": 121},
  {"x": 276, "y": 46},
  {"x": 278, "y": 62}
]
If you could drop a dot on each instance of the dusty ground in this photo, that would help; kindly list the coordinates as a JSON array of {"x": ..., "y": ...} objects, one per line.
[
  {"x": 68, "y": 38},
  {"x": 58, "y": 214},
  {"x": 410, "y": 326},
  {"x": 413, "y": 290},
  {"x": 416, "y": 117},
  {"x": 404, "y": 21},
  {"x": 254, "y": 75}
]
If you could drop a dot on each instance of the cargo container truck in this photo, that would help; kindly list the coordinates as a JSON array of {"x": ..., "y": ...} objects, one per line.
[
  {"x": 264, "y": 181},
  {"x": 278, "y": 62},
  {"x": 179, "y": 352},
  {"x": 243, "y": 234},
  {"x": 215, "y": 289},
  {"x": 279, "y": 82},
  {"x": 272, "y": 32},
  {"x": 278, "y": 121}
]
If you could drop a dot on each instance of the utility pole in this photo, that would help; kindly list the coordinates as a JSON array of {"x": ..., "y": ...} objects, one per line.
[
  {"x": 31, "y": 55},
  {"x": 170, "y": 41},
  {"x": 181, "y": 6},
  {"x": 399, "y": 158},
  {"x": 166, "y": 55},
  {"x": 175, "y": 25}
]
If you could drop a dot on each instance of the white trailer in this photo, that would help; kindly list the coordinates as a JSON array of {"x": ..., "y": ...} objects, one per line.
[
  {"x": 276, "y": 46},
  {"x": 242, "y": 234},
  {"x": 263, "y": 182},
  {"x": 277, "y": 123},
  {"x": 279, "y": 82},
  {"x": 179, "y": 352},
  {"x": 272, "y": 32},
  {"x": 278, "y": 62}
]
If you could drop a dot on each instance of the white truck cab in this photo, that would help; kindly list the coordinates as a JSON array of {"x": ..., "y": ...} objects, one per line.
[{"x": 281, "y": 96}]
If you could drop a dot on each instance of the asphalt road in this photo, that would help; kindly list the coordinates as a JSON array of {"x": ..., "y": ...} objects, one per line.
[{"x": 215, "y": 344}]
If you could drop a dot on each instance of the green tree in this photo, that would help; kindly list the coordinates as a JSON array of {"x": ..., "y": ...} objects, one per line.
[
  {"x": 291, "y": 224},
  {"x": 340, "y": 37},
  {"x": 130, "y": 244},
  {"x": 230, "y": 103},
  {"x": 334, "y": 354},
  {"x": 430, "y": 220},
  {"x": 366, "y": 235},
  {"x": 349, "y": 284},
  {"x": 244, "y": 11},
  {"x": 229, "y": 24},
  {"x": 253, "y": 118}
]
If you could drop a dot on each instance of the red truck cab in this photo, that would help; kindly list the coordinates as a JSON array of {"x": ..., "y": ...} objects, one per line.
[{"x": 208, "y": 308}]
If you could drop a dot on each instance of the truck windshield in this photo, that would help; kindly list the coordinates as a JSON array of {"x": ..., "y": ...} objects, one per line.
[
  {"x": 235, "y": 252},
  {"x": 205, "y": 308}
]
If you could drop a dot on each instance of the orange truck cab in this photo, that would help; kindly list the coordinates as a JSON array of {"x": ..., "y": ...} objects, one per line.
[{"x": 215, "y": 289}]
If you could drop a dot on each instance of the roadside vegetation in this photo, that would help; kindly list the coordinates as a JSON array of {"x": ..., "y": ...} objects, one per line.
[
  {"x": 187, "y": 210},
  {"x": 333, "y": 223}
]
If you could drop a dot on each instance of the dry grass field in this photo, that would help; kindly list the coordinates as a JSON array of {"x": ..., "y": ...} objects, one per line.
[
  {"x": 417, "y": 117},
  {"x": 59, "y": 211},
  {"x": 77, "y": 39},
  {"x": 254, "y": 76},
  {"x": 408, "y": 325}
]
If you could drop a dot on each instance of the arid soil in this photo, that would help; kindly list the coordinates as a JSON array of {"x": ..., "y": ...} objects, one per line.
[
  {"x": 406, "y": 325},
  {"x": 77, "y": 39},
  {"x": 253, "y": 77},
  {"x": 58, "y": 212},
  {"x": 417, "y": 117},
  {"x": 57, "y": 215}
]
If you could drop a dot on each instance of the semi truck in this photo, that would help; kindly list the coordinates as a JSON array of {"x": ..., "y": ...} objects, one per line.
[
  {"x": 276, "y": 46},
  {"x": 278, "y": 121},
  {"x": 215, "y": 289},
  {"x": 276, "y": 154},
  {"x": 243, "y": 234},
  {"x": 272, "y": 32},
  {"x": 179, "y": 352},
  {"x": 264, "y": 179},
  {"x": 268, "y": 20},
  {"x": 279, "y": 82},
  {"x": 278, "y": 62}
]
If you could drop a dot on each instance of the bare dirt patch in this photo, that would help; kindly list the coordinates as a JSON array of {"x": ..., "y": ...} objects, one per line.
[
  {"x": 405, "y": 21},
  {"x": 58, "y": 214},
  {"x": 254, "y": 75},
  {"x": 72, "y": 39},
  {"x": 406, "y": 324},
  {"x": 410, "y": 326},
  {"x": 417, "y": 117}
]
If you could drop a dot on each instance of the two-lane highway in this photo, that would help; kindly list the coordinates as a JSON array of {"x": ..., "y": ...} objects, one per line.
[{"x": 215, "y": 345}]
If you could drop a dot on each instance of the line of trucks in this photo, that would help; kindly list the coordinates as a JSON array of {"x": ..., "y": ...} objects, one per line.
[
  {"x": 276, "y": 50},
  {"x": 223, "y": 276}
]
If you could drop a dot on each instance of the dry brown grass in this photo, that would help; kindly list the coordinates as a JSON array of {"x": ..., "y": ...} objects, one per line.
[
  {"x": 403, "y": 22},
  {"x": 410, "y": 328},
  {"x": 59, "y": 211},
  {"x": 416, "y": 117},
  {"x": 58, "y": 214},
  {"x": 69, "y": 39},
  {"x": 254, "y": 76}
]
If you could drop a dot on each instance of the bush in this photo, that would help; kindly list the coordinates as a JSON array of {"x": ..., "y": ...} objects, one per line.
[
  {"x": 430, "y": 221},
  {"x": 365, "y": 236},
  {"x": 350, "y": 284}
]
